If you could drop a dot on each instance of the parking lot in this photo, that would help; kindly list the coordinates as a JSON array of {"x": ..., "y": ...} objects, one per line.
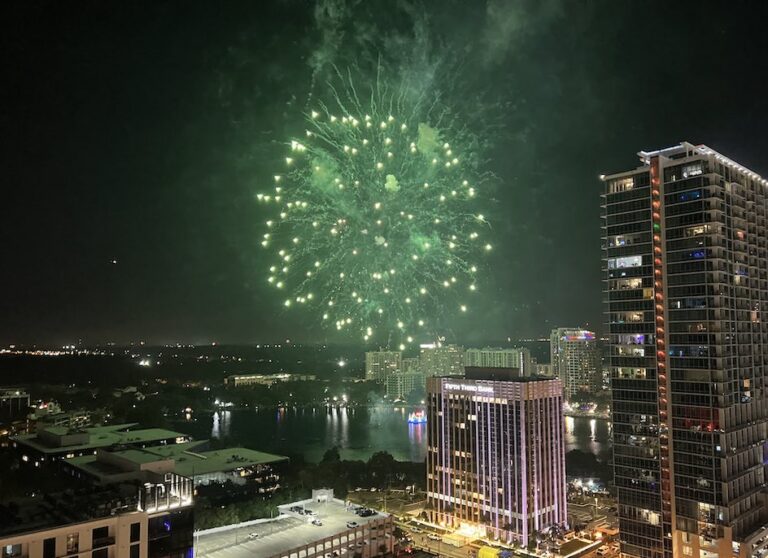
[{"x": 274, "y": 537}]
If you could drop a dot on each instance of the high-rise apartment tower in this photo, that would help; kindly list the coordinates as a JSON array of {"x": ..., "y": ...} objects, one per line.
[
  {"x": 685, "y": 263},
  {"x": 575, "y": 360}
]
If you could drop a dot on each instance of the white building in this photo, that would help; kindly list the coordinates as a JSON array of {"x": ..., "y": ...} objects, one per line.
[
  {"x": 436, "y": 359},
  {"x": 575, "y": 360},
  {"x": 490, "y": 357},
  {"x": 380, "y": 364}
]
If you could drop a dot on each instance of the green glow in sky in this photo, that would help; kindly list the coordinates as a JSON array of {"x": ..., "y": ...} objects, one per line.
[{"x": 376, "y": 224}]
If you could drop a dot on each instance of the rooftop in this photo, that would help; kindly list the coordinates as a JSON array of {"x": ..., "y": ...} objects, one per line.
[
  {"x": 71, "y": 506},
  {"x": 283, "y": 534},
  {"x": 186, "y": 461},
  {"x": 54, "y": 439}
]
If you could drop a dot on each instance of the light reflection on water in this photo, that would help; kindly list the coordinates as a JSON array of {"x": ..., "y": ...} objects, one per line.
[
  {"x": 587, "y": 434},
  {"x": 359, "y": 432}
]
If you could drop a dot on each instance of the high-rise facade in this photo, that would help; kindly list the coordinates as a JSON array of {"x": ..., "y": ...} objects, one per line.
[
  {"x": 380, "y": 364},
  {"x": 515, "y": 357},
  {"x": 575, "y": 359},
  {"x": 496, "y": 455},
  {"x": 436, "y": 359},
  {"x": 685, "y": 263}
]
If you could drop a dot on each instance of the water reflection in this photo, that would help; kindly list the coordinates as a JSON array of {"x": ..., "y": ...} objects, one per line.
[
  {"x": 359, "y": 432},
  {"x": 587, "y": 434},
  {"x": 221, "y": 420}
]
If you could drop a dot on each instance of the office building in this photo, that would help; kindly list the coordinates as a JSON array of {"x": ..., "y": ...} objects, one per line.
[
  {"x": 154, "y": 520},
  {"x": 575, "y": 359},
  {"x": 685, "y": 267},
  {"x": 515, "y": 357},
  {"x": 496, "y": 455},
  {"x": 380, "y": 364},
  {"x": 436, "y": 359}
]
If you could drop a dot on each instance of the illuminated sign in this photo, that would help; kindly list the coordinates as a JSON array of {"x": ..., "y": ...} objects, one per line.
[
  {"x": 469, "y": 387},
  {"x": 582, "y": 336}
]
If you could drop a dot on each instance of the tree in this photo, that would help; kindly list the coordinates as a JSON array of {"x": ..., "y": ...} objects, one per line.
[{"x": 332, "y": 455}]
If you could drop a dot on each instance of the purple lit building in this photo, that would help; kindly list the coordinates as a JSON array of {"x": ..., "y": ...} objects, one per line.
[{"x": 496, "y": 455}]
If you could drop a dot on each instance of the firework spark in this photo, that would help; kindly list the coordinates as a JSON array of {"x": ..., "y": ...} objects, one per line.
[{"x": 375, "y": 221}]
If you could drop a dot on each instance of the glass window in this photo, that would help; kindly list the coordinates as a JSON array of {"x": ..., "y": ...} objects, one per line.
[
  {"x": 621, "y": 185},
  {"x": 628, "y": 261},
  {"x": 11, "y": 550},
  {"x": 73, "y": 543},
  {"x": 135, "y": 532},
  {"x": 692, "y": 170},
  {"x": 49, "y": 548},
  {"x": 135, "y": 550},
  {"x": 100, "y": 553}
]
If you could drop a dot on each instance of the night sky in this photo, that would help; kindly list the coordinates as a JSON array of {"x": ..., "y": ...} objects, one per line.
[{"x": 139, "y": 133}]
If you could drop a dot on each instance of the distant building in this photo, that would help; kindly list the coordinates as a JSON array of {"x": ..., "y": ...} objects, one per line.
[
  {"x": 14, "y": 404},
  {"x": 544, "y": 370},
  {"x": 380, "y": 364},
  {"x": 154, "y": 520},
  {"x": 496, "y": 455},
  {"x": 410, "y": 364},
  {"x": 516, "y": 357},
  {"x": 401, "y": 384},
  {"x": 436, "y": 359},
  {"x": 53, "y": 443},
  {"x": 237, "y": 465},
  {"x": 576, "y": 360},
  {"x": 240, "y": 380}
]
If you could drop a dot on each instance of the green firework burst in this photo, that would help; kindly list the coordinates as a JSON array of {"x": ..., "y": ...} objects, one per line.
[{"x": 377, "y": 224}]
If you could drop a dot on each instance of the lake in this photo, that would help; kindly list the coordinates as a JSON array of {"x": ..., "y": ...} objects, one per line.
[{"x": 358, "y": 432}]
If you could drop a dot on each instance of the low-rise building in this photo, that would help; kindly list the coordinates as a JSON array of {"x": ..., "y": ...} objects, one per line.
[
  {"x": 237, "y": 465},
  {"x": 241, "y": 380},
  {"x": 58, "y": 442},
  {"x": 317, "y": 527}
]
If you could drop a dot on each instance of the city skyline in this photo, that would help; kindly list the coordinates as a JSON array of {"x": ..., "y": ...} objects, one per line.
[{"x": 135, "y": 157}]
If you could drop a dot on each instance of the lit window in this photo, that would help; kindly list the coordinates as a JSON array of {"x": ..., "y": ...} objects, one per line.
[
  {"x": 627, "y": 261},
  {"x": 621, "y": 185}
]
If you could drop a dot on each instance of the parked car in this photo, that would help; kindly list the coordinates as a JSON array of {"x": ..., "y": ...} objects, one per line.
[
  {"x": 317, "y": 522},
  {"x": 351, "y": 524},
  {"x": 253, "y": 536}
]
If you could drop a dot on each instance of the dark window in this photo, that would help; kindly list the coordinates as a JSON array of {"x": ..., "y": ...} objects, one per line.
[
  {"x": 49, "y": 548},
  {"x": 135, "y": 551},
  {"x": 101, "y": 537},
  {"x": 100, "y": 553},
  {"x": 135, "y": 532}
]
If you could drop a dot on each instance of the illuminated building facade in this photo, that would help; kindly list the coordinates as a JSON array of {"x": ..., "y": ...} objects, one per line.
[
  {"x": 515, "y": 357},
  {"x": 496, "y": 455},
  {"x": 380, "y": 364},
  {"x": 155, "y": 520},
  {"x": 686, "y": 278},
  {"x": 436, "y": 359},
  {"x": 575, "y": 359}
]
